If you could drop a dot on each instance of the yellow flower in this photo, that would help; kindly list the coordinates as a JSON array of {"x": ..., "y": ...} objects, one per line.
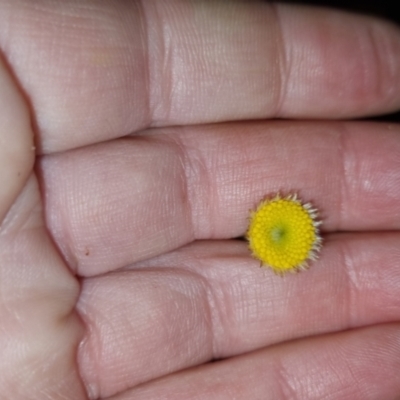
[{"x": 283, "y": 233}]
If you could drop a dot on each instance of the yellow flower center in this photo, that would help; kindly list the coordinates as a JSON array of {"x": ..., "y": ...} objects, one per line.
[{"x": 283, "y": 234}]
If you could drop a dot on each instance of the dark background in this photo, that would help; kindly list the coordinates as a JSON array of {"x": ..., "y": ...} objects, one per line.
[{"x": 384, "y": 9}]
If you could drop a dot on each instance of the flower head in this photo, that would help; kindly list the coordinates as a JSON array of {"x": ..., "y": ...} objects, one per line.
[{"x": 284, "y": 234}]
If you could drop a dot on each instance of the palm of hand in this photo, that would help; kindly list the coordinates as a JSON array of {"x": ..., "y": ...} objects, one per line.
[{"x": 124, "y": 246}]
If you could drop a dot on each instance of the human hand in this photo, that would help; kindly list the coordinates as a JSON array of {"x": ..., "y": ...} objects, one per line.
[{"x": 120, "y": 277}]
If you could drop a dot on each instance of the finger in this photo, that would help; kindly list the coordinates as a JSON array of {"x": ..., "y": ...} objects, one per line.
[
  {"x": 113, "y": 204},
  {"x": 38, "y": 331},
  {"x": 356, "y": 365},
  {"x": 210, "y": 300},
  {"x": 96, "y": 71}
]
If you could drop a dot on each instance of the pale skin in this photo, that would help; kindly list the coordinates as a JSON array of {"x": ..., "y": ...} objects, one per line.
[{"x": 129, "y": 163}]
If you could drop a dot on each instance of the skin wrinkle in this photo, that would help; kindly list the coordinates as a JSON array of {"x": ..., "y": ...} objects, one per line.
[
  {"x": 350, "y": 366},
  {"x": 146, "y": 44},
  {"x": 197, "y": 180},
  {"x": 352, "y": 286},
  {"x": 217, "y": 299},
  {"x": 160, "y": 64},
  {"x": 212, "y": 311},
  {"x": 284, "y": 382},
  {"x": 284, "y": 62},
  {"x": 344, "y": 166},
  {"x": 186, "y": 166},
  {"x": 215, "y": 311}
]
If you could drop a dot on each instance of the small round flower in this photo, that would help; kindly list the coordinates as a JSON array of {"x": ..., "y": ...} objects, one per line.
[{"x": 284, "y": 234}]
